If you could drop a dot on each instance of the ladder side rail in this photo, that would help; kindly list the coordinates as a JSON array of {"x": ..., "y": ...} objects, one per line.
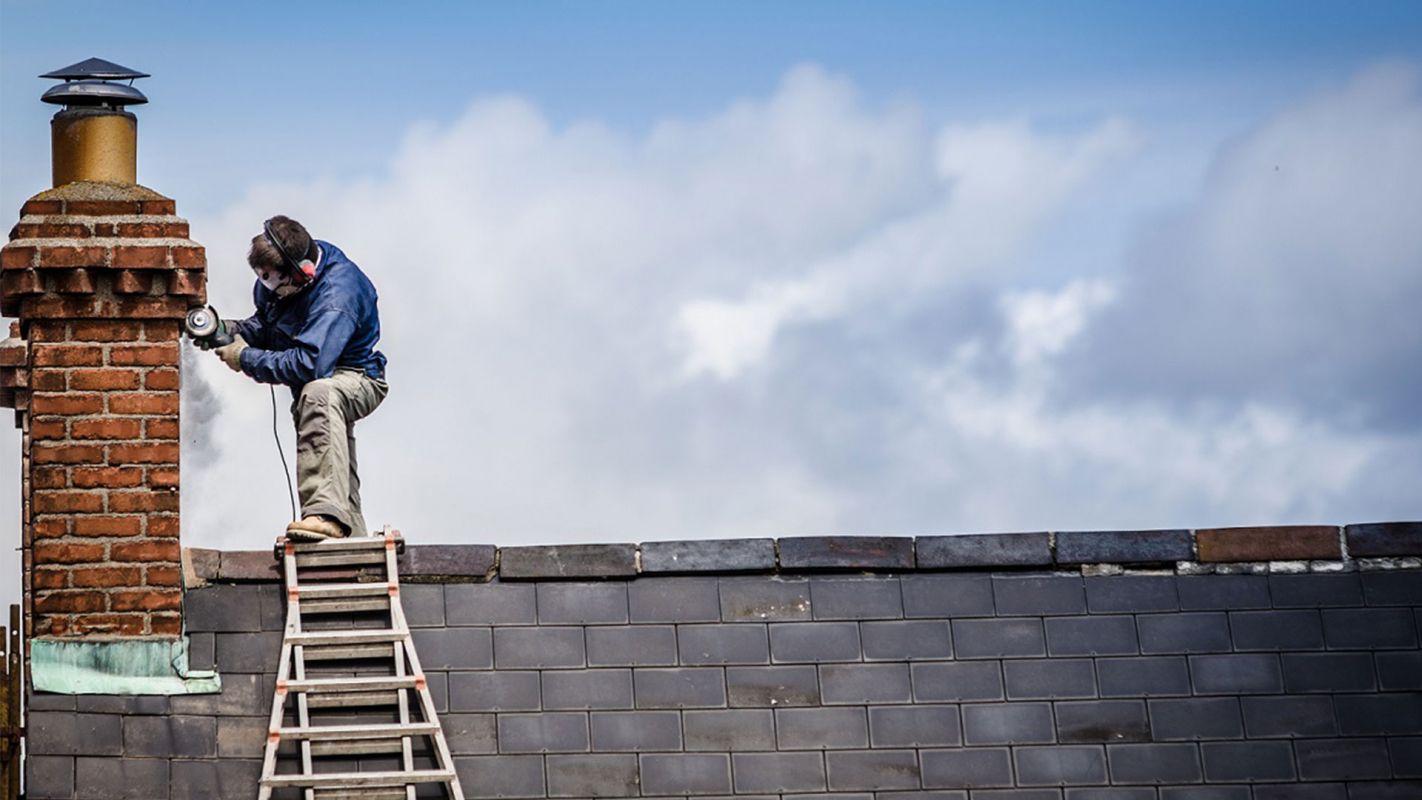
[
  {"x": 293, "y": 618},
  {"x": 443, "y": 757},
  {"x": 392, "y": 577}
]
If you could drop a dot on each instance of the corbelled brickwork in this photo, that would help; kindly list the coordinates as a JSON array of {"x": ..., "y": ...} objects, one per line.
[
  {"x": 100, "y": 276},
  {"x": 878, "y": 669}
]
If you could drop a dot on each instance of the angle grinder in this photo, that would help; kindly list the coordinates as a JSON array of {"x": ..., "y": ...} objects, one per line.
[{"x": 206, "y": 328}]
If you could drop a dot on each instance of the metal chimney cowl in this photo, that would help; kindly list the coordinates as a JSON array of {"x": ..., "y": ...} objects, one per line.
[{"x": 93, "y": 138}]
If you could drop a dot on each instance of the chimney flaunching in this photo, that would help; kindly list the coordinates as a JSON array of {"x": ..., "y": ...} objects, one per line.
[{"x": 99, "y": 272}]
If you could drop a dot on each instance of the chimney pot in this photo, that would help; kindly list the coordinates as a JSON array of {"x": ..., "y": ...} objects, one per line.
[{"x": 93, "y": 138}]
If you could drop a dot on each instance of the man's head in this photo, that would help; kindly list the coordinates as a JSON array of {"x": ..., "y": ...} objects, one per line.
[{"x": 282, "y": 272}]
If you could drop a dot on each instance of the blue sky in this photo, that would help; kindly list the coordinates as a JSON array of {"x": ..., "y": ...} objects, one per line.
[{"x": 788, "y": 268}]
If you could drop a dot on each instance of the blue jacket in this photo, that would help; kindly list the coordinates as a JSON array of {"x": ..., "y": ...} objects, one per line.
[{"x": 332, "y": 322}]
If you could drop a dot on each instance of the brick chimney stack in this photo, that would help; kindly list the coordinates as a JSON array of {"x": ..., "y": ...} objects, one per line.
[{"x": 99, "y": 272}]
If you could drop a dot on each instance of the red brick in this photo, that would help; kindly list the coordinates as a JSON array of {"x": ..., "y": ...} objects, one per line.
[
  {"x": 131, "y": 502},
  {"x": 65, "y": 502},
  {"x": 107, "y": 477},
  {"x": 66, "y": 404},
  {"x": 136, "y": 255},
  {"x": 100, "y": 624},
  {"x": 164, "y": 207},
  {"x": 127, "y": 281},
  {"x": 161, "y": 379},
  {"x": 51, "y": 428},
  {"x": 74, "y": 281},
  {"x": 163, "y": 576},
  {"x": 162, "y": 478},
  {"x": 104, "y": 577},
  {"x": 147, "y": 550},
  {"x": 105, "y": 428},
  {"x": 165, "y": 624},
  {"x": 151, "y": 453},
  {"x": 51, "y": 230},
  {"x": 106, "y": 331},
  {"x": 67, "y": 454},
  {"x": 161, "y": 428},
  {"x": 77, "y": 355},
  {"x": 73, "y": 256},
  {"x": 17, "y": 257},
  {"x": 51, "y": 527},
  {"x": 70, "y": 602},
  {"x": 103, "y": 379},
  {"x": 190, "y": 256},
  {"x": 51, "y": 579},
  {"x": 17, "y": 283},
  {"x": 68, "y": 553},
  {"x": 42, "y": 207},
  {"x": 160, "y": 330},
  {"x": 49, "y": 478},
  {"x": 190, "y": 282},
  {"x": 101, "y": 208},
  {"x": 151, "y": 355},
  {"x": 1276, "y": 543},
  {"x": 48, "y": 380},
  {"x": 144, "y": 403},
  {"x": 107, "y": 525},
  {"x": 162, "y": 527},
  {"x": 151, "y": 230},
  {"x": 147, "y": 600}
]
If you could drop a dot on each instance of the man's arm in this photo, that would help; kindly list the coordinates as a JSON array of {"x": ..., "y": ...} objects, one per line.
[{"x": 318, "y": 347}]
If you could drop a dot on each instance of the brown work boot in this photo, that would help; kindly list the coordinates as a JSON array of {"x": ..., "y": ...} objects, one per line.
[{"x": 314, "y": 528}]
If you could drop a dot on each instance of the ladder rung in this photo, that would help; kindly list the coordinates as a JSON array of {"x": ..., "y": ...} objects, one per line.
[
  {"x": 349, "y": 543},
  {"x": 325, "y": 685},
  {"x": 362, "y": 793},
  {"x": 356, "y": 779},
  {"x": 340, "y": 558},
  {"x": 358, "y": 747},
  {"x": 323, "y": 638},
  {"x": 321, "y": 591},
  {"x": 348, "y": 732},
  {"x": 341, "y": 605},
  {"x": 353, "y": 699},
  {"x": 349, "y": 651}
]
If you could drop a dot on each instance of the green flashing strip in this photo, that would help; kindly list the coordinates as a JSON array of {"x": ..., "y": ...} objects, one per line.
[{"x": 118, "y": 667}]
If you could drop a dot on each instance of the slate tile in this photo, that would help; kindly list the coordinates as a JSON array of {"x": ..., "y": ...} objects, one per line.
[
  {"x": 1342, "y": 759},
  {"x": 1289, "y": 717},
  {"x": 1406, "y": 757},
  {"x": 98, "y": 734},
  {"x": 1131, "y": 593},
  {"x": 773, "y": 686},
  {"x": 1247, "y": 761},
  {"x": 1315, "y": 590},
  {"x": 1092, "y": 636},
  {"x": 984, "y": 550},
  {"x": 814, "y": 642},
  {"x": 454, "y": 648},
  {"x": 494, "y": 691},
  {"x": 1222, "y": 592},
  {"x": 945, "y": 596},
  {"x": 107, "y": 778},
  {"x": 1123, "y": 547},
  {"x": 585, "y": 689},
  {"x": 1380, "y": 539},
  {"x": 1154, "y": 763},
  {"x": 447, "y": 561},
  {"x": 1205, "y": 793},
  {"x": 1236, "y": 674},
  {"x": 1038, "y": 595},
  {"x": 966, "y": 768},
  {"x": 860, "y": 770},
  {"x": 1300, "y": 791},
  {"x": 674, "y": 600},
  {"x": 166, "y": 737},
  {"x": 685, "y": 687},
  {"x": 1269, "y": 543},
  {"x": 1393, "y": 588},
  {"x": 778, "y": 772},
  {"x": 128, "y": 705},
  {"x": 1094, "y": 793},
  {"x": 913, "y": 726},
  {"x": 1008, "y": 723},
  {"x": 1398, "y": 671},
  {"x": 735, "y": 643},
  {"x": 1385, "y": 790},
  {"x": 1062, "y": 765},
  {"x": 596, "y": 775},
  {"x": 223, "y": 608},
  {"x": 686, "y": 773},
  {"x": 568, "y": 561},
  {"x": 856, "y": 598},
  {"x": 503, "y": 776},
  {"x": 242, "y": 695},
  {"x": 48, "y": 701},
  {"x": 202, "y": 651},
  {"x": 709, "y": 555},
  {"x": 636, "y": 731},
  {"x": 762, "y": 599},
  {"x": 1276, "y": 630},
  {"x": 241, "y": 737},
  {"x": 490, "y": 604},
  {"x": 542, "y": 733},
  {"x": 423, "y": 605},
  {"x": 953, "y": 682},
  {"x": 1328, "y": 672},
  {"x": 49, "y": 777},
  {"x": 846, "y": 552},
  {"x": 914, "y": 640},
  {"x": 1196, "y": 718},
  {"x": 998, "y": 638},
  {"x": 821, "y": 728},
  {"x": 541, "y": 648},
  {"x": 54, "y": 733},
  {"x": 1379, "y": 715},
  {"x": 728, "y": 730},
  {"x": 1201, "y": 632},
  {"x": 921, "y": 795},
  {"x": 561, "y": 603},
  {"x": 1051, "y": 679},
  {"x": 1083, "y": 722},
  {"x": 631, "y": 646},
  {"x": 470, "y": 734},
  {"x": 860, "y": 684}
]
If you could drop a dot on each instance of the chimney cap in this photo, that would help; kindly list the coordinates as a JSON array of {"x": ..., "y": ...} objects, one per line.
[{"x": 95, "y": 69}]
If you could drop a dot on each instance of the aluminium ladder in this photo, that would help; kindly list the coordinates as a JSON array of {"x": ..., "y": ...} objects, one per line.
[{"x": 317, "y": 594}]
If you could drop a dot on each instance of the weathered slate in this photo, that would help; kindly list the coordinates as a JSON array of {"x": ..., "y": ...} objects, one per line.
[
  {"x": 846, "y": 552},
  {"x": 984, "y": 550},
  {"x": 568, "y": 561},
  {"x": 709, "y": 555},
  {"x": 1123, "y": 547},
  {"x": 205, "y": 563},
  {"x": 1379, "y": 539},
  {"x": 1269, "y": 543},
  {"x": 249, "y": 565},
  {"x": 447, "y": 560}
]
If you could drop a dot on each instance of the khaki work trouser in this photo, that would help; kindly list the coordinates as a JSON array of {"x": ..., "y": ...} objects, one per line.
[{"x": 325, "y": 413}]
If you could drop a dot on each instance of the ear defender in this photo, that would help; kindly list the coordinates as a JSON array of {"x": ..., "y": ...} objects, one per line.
[{"x": 304, "y": 270}]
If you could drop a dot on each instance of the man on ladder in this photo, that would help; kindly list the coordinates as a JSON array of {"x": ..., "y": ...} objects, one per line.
[{"x": 314, "y": 330}]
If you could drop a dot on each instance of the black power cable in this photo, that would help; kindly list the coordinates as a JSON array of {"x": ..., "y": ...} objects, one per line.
[{"x": 285, "y": 470}]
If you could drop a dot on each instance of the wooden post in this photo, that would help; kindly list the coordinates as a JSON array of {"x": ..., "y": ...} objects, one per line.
[{"x": 10, "y": 729}]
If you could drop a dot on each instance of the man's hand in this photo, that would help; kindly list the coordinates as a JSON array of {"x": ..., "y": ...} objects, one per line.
[{"x": 231, "y": 354}]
